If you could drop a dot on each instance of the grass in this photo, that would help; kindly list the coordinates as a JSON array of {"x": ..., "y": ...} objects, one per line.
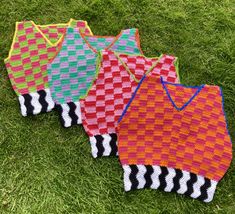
[{"x": 47, "y": 169}]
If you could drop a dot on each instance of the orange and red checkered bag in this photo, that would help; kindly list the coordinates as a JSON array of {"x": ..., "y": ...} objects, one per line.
[
  {"x": 174, "y": 138},
  {"x": 117, "y": 79}
]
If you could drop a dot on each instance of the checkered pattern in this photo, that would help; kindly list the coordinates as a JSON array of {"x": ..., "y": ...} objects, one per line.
[
  {"x": 195, "y": 138},
  {"x": 166, "y": 67},
  {"x": 30, "y": 55},
  {"x": 99, "y": 43},
  {"x": 113, "y": 89},
  {"x": 128, "y": 42},
  {"x": 27, "y": 65},
  {"x": 73, "y": 70},
  {"x": 53, "y": 32}
]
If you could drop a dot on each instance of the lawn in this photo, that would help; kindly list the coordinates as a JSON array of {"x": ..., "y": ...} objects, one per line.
[{"x": 45, "y": 168}]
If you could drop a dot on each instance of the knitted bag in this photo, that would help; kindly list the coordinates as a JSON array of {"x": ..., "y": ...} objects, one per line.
[
  {"x": 174, "y": 138},
  {"x": 73, "y": 70},
  {"x": 117, "y": 79},
  {"x": 32, "y": 48}
]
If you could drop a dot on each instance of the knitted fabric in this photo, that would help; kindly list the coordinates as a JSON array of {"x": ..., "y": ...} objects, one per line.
[
  {"x": 174, "y": 138},
  {"x": 117, "y": 79},
  {"x": 32, "y": 48},
  {"x": 73, "y": 70}
]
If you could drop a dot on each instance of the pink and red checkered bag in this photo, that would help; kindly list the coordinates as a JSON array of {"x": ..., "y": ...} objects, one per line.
[{"x": 116, "y": 81}]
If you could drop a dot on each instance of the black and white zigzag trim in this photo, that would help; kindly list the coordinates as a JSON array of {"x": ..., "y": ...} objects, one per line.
[
  {"x": 169, "y": 180},
  {"x": 36, "y": 102},
  {"x": 104, "y": 145},
  {"x": 70, "y": 113}
]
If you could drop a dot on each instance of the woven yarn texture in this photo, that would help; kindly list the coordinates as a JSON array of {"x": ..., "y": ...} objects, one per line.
[
  {"x": 34, "y": 46},
  {"x": 114, "y": 87},
  {"x": 175, "y": 126},
  {"x": 73, "y": 70}
]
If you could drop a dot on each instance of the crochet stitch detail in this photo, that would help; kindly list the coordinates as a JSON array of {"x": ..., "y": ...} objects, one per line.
[
  {"x": 178, "y": 127},
  {"x": 114, "y": 87}
]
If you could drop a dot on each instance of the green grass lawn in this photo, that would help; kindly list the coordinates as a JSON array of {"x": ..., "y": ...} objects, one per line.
[{"x": 45, "y": 168}]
